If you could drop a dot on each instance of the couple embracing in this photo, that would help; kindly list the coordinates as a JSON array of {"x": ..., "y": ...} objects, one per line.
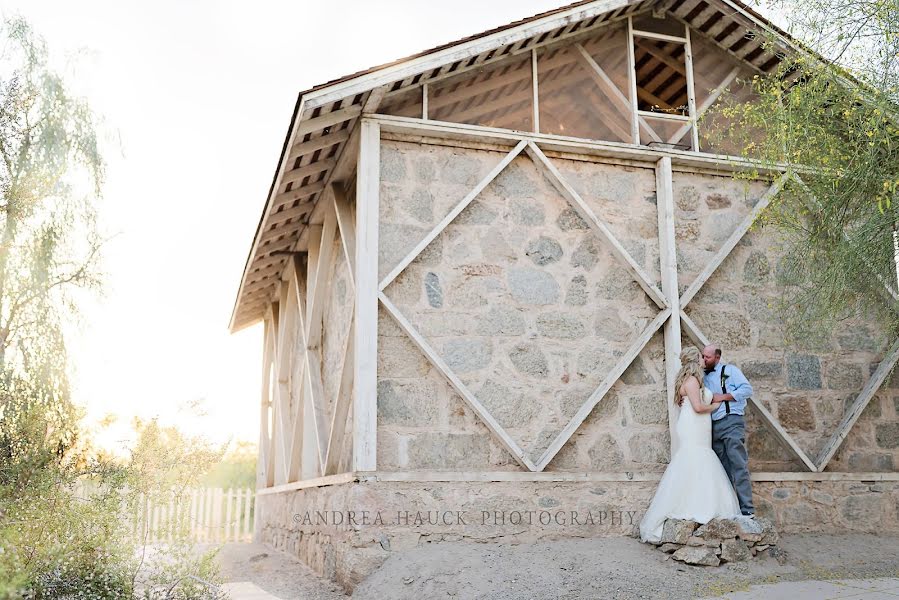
[{"x": 708, "y": 475}]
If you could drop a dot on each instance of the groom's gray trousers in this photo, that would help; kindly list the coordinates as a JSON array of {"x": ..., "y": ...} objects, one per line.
[{"x": 729, "y": 443}]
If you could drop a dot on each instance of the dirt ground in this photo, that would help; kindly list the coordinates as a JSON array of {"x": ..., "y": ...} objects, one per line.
[{"x": 572, "y": 569}]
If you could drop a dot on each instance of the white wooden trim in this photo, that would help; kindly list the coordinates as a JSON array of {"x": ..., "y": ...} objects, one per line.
[
  {"x": 732, "y": 242},
  {"x": 632, "y": 79},
  {"x": 295, "y": 464},
  {"x": 659, "y": 36},
  {"x": 855, "y": 411},
  {"x": 550, "y": 476},
  {"x": 534, "y": 84},
  {"x": 598, "y": 226},
  {"x": 438, "y": 229},
  {"x": 691, "y": 91},
  {"x": 663, "y": 115},
  {"x": 668, "y": 271},
  {"x": 600, "y": 392},
  {"x": 493, "y": 135},
  {"x": 365, "y": 377},
  {"x": 424, "y": 101},
  {"x": 341, "y": 406},
  {"x": 492, "y": 424},
  {"x": 460, "y": 52},
  {"x": 310, "y": 483}
]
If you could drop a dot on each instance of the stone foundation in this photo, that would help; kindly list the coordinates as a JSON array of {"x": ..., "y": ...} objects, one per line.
[{"x": 315, "y": 524}]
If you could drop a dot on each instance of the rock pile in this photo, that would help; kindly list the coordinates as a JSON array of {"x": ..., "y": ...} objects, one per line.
[{"x": 719, "y": 540}]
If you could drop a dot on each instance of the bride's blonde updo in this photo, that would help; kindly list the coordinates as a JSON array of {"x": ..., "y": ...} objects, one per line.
[{"x": 690, "y": 366}]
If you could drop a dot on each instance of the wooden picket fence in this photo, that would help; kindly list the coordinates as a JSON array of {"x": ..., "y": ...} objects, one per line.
[{"x": 200, "y": 515}]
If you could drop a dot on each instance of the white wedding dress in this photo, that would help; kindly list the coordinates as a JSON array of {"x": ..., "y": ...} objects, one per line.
[{"x": 695, "y": 485}]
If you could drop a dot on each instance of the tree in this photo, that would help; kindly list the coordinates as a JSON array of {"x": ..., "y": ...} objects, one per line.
[{"x": 834, "y": 113}]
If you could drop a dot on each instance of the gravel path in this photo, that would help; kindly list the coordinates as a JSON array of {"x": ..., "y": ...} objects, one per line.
[{"x": 570, "y": 569}]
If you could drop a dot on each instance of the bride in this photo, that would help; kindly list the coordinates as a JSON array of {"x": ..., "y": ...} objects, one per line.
[{"x": 695, "y": 485}]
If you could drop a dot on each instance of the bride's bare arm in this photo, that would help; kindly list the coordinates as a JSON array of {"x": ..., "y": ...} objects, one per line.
[{"x": 691, "y": 386}]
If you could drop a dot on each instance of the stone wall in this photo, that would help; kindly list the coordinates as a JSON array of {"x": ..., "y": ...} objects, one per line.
[
  {"x": 416, "y": 513},
  {"x": 531, "y": 310},
  {"x": 525, "y": 304}
]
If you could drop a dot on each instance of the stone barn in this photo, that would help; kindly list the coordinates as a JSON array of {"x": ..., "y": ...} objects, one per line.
[{"x": 476, "y": 268}]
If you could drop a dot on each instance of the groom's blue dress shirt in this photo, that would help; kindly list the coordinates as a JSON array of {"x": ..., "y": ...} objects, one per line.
[{"x": 736, "y": 384}]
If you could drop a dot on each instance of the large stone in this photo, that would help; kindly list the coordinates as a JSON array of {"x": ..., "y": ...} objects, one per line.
[
  {"x": 669, "y": 548},
  {"x": 569, "y": 220},
  {"x": 719, "y": 529},
  {"x": 509, "y": 408},
  {"x": 650, "y": 447},
  {"x": 796, "y": 413},
  {"x": 731, "y": 329},
  {"x": 756, "y": 268},
  {"x": 395, "y": 241},
  {"x": 439, "y": 450},
  {"x": 399, "y": 357},
  {"x": 412, "y": 404},
  {"x": 887, "y": 435},
  {"x": 577, "y": 291},
  {"x": 717, "y": 201},
  {"x": 433, "y": 290},
  {"x": 677, "y": 531},
  {"x": 636, "y": 374},
  {"x": 501, "y": 320},
  {"x": 531, "y": 286},
  {"x": 755, "y": 530},
  {"x": 801, "y": 516},
  {"x": 544, "y": 251},
  {"x": 869, "y": 461},
  {"x": 476, "y": 213},
  {"x": 649, "y": 409},
  {"x": 859, "y": 338},
  {"x": 804, "y": 372},
  {"x": 393, "y": 165},
  {"x": 516, "y": 181},
  {"x": 605, "y": 454},
  {"x": 864, "y": 511},
  {"x": 529, "y": 359},
  {"x": 693, "y": 555},
  {"x": 757, "y": 369},
  {"x": 734, "y": 551},
  {"x": 560, "y": 326},
  {"x": 586, "y": 255},
  {"x": 844, "y": 376},
  {"x": 464, "y": 356},
  {"x": 419, "y": 204},
  {"x": 527, "y": 211}
]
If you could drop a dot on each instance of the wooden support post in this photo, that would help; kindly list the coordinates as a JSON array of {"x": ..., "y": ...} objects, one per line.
[
  {"x": 365, "y": 389},
  {"x": 632, "y": 78},
  {"x": 668, "y": 266},
  {"x": 534, "y": 85}
]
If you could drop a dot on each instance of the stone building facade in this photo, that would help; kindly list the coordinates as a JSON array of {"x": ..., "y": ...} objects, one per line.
[{"x": 473, "y": 315}]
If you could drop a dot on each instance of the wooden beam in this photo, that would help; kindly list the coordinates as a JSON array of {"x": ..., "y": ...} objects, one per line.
[
  {"x": 294, "y": 212},
  {"x": 327, "y": 120},
  {"x": 596, "y": 224},
  {"x": 691, "y": 92},
  {"x": 668, "y": 270},
  {"x": 365, "y": 377},
  {"x": 612, "y": 92},
  {"x": 438, "y": 229},
  {"x": 732, "y": 241},
  {"x": 536, "y": 99},
  {"x": 301, "y": 173},
  {"x": 346, "y": 222},
  {"x": 310, "y": 189},
  {"x": 861, "y": 402},
  {"x": 319, "y": 143},
  {"x": 295, "y": 462},
  {"x": 341, "y": 405},
  {"x": 706, "y": 104},
  {"x": 473, "y": 403},
  {"x": 600, "y": 392},
  {"x": 632, "y": 79}
]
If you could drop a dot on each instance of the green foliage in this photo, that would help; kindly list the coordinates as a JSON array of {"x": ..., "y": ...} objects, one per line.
[
  {"x": 64, "y": 527},
  {"x": 836, "y": 123},
  {"x": 236, "y": 470}
]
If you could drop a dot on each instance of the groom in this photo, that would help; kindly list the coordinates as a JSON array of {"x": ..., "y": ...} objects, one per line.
[{"x": 730, "y": 387}]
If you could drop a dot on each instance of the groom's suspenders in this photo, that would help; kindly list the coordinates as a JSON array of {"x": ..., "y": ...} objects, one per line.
[{"x": 724, "y": 389}]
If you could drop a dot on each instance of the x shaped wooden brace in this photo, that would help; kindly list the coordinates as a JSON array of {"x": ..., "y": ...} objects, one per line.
[
  {"x": 299, "y": 312},
  {"x": 601, "y": 230}
]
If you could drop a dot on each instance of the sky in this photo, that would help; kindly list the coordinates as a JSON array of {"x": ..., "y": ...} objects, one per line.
[{"x": 196, "y": 97}]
